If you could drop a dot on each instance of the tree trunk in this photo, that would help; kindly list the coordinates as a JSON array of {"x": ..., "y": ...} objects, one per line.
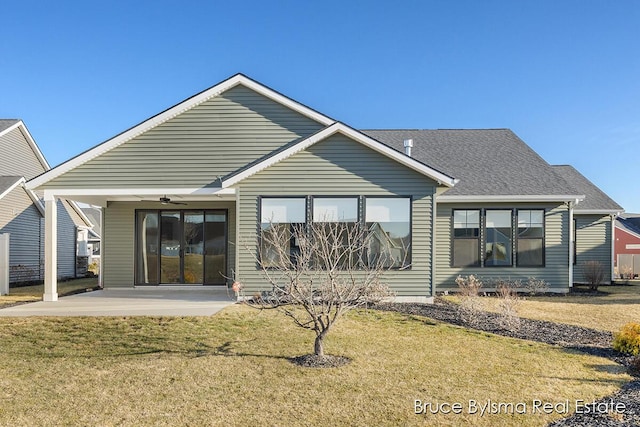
[{"x": 318, "y": 347}]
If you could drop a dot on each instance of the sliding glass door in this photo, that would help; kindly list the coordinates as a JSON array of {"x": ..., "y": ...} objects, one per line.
[{"x": 181, "y": 247}]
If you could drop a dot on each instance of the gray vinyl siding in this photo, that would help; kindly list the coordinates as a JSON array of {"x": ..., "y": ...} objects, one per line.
[
  {"x": 118, "y": 240},
  {"x": 339, "y": 166},
  {"x": 22, "y": 220},
  {"x": 196, "y": 147},
  {"x": 593, "y": 243},
  {"x": 556, "y": 269},
  {"x": 66, "y": 242},
  {"x": 18, "y": 158}
]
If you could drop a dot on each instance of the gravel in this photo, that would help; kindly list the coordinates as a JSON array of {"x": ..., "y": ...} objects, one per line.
[{"x": 607, "y": 411}]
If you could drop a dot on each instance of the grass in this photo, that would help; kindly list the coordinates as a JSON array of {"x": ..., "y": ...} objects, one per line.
[
  {"x": 34, "y": 292},
  {"x": 233, "y": 369},
  {"x": 609, "y": 311}
]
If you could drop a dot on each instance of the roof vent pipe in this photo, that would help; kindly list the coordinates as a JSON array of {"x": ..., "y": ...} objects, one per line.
[{"x": 408, "y": 143}]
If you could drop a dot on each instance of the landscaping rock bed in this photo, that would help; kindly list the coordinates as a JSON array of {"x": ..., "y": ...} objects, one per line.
[{"x": 591, "y": 341}]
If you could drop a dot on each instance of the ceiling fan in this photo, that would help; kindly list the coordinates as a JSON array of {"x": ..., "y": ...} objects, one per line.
[
  {"x": 164, "y": 200},
  {"x": 167, "y": 201}
]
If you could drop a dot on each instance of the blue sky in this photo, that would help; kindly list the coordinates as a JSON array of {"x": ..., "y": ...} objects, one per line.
[{"x": 563, "y": 75}]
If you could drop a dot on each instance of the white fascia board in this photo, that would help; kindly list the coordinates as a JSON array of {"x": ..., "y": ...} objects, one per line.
[
  {"x": 49, "y": 194},
  {"x": 506, "y": 199},
  {"x": 18, "y": 182},
  {"x": 81, "y": 214},
  {"x": 356, "y": 136},
  {"x": 35, "y": 199},
  {"x": 615, "y": 212},
  {"x": 172, "y": 112}
]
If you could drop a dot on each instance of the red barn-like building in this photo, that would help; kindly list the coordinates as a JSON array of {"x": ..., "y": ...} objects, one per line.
[{"x": 627, "y": 246}]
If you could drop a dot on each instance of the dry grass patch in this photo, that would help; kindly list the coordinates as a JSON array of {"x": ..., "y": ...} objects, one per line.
[
  {"x": 608, "y": 311},
  {"x": 34, "y": 292},
  {"x": 234, "y": 369}
]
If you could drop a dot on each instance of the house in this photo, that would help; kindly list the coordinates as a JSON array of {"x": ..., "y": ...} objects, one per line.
[
  {"x": 627, "y": 246},
  {"x": 187, "y": 193},
  {"x": 593, "y": 225},
  {"x": 22, "y": 211}
]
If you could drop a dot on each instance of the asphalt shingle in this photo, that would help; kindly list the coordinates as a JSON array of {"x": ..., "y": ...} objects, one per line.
[
  {"x": 595, "y": 199},
  {"x": 487, "y": 161}
]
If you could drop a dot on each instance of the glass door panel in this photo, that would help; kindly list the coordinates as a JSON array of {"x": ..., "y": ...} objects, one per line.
[
  {"x": 215, "y": 257},
  {"x": 193, "y": 247},
  {"x": 148, "y": 261},
  {"x": 170, "y": 247}
]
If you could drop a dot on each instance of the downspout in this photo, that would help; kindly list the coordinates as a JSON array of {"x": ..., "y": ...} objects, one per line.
[
  {"x": 571, "y": 242},
  {"x": 434, "y": 208}
]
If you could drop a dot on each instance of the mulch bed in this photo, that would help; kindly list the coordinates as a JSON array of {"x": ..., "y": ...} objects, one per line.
[
  {"x": 591, "y": 341},
  {"x": 315, "y": 361}
]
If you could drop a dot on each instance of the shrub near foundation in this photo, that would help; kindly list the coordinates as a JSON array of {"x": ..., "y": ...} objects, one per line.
[{"x": 627, "y": 341}]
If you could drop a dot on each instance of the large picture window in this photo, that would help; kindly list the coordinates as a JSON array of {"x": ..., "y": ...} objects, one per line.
[
  {"x": 498, "y": 238},
  {"x": 388, "y": 221},
  {"x": 277, "y": 216},
  {"x": 530, "y": 238},
  {"x": 466, "y": 238},
  {"x": 336, "y": 219},
  {"x": 493, "y": 230}
]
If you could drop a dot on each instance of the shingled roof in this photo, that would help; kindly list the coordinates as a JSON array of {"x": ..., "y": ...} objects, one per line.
[
  {"x": 7, "y": 123},
  {"x": 488, "y": 162},
  {"x": 595, "y": 200},
  {"x": 7, "y": 182}
]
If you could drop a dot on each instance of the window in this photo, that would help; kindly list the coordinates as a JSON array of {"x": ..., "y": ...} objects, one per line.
[
  {"x": 336, "y": 219},
  {"x": 388, "y": 222},
  {"x": 279, "y": 218},
  {"x": 497, "y": 238},
  {"x": 530, "y": 238},
  {"x": 466, "y": 238}
]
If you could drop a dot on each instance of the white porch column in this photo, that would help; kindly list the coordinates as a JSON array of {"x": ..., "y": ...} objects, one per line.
[{"x": 50, "y": 248}]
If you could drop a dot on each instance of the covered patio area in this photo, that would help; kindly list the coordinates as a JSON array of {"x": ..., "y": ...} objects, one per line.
[{"x": 139, "y": 301}]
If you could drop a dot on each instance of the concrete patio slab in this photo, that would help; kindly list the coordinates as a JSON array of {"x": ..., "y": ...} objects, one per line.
[{"x": 146, "y": 301}]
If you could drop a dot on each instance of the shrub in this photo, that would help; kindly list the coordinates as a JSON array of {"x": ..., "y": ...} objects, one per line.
[
  {"x": 470, "y": 306},
  {"x": 593, "y": 273},
  {"x": 627, "y": 341},
  {"x": 536, "y": 286},
  {"x": 508, "y": 295}
]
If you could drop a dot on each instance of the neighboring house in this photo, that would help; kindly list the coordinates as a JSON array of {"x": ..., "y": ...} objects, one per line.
[
  {"x": 22, "y": 211},
  {"x": 627, "y": 247},
  {"x": 187, "y": 193},
  {"x": 95, "y": 216}
]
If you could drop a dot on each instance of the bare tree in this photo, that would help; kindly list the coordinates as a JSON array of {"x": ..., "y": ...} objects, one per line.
[{"x": 320, "y": 271}]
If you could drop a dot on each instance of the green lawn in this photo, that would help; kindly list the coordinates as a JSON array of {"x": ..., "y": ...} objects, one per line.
[
  {"x": 34, "y": 292},
  {"x": 233, "y": 369}
]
